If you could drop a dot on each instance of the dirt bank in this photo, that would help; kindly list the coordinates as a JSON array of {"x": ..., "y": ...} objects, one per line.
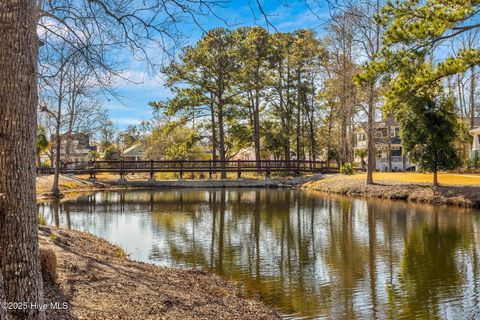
[
  {"x": 99, "y": 282},
  {"x": 462, "y": 196}
]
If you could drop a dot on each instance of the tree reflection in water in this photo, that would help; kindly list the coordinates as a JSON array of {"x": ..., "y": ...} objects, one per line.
[{"x": 309, "y": 255}]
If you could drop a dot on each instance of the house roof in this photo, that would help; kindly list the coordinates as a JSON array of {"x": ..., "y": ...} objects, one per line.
[
  {"x": 474, "y": 131},
  {"x": 132, "y": 149},
  {"x": 379, "y": 124}
]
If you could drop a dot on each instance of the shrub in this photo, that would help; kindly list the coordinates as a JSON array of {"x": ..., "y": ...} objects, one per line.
[
  {"x": 346, "y": 168},
  {"x": 120, "y": 253},
  {"x": 48, "y": 260}
]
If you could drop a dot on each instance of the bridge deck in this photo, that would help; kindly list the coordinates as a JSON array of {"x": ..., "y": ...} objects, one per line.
[{"x": 187, "y": 166}]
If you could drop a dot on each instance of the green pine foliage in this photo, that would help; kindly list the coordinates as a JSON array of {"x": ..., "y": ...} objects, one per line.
[{"x": 429, "y": 131}]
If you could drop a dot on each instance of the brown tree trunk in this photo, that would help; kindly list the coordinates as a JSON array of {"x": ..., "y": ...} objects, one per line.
[
  {"x": 460, "y": 96},
  {"x": 472, "y": 97},
  {"x": 38, "y": 160},
  {"x": 19, "y": 254},
  {"x": 299, "y": 125},
  {"x": 435, "y": 178},
  {"x": 287, "y": 140},
  {"x": 389, "y": 143},
  {"x": 58, "y": 139},
  {"x": 256, "y": 128},
  {"x": 370, "y": 135},
  {"x": 214, "y": 132},
  {"x": 221, "y": 136}
]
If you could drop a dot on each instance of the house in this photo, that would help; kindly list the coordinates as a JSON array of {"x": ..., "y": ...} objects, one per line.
[
  {"x": 476, "y": 142},
  {"x": 74, "y": 148},
  {"x": 475, "y": 132},
  {"x": 382, "y": 139},
  {"x": 134, "y": 152}
]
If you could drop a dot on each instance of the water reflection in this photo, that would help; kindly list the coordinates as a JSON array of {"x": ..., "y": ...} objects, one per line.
[{"x": 309, "y": 255}]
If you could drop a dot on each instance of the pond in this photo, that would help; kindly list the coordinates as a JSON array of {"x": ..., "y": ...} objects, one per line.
[{"x": 307, "y": 254}]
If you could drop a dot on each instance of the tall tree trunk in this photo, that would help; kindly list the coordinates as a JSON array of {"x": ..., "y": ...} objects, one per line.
[
  {"x": 58, "y": 139},
  {"x": 38, "y": 159},
  {"x": 287, "y": 139},
  {"x": 311, "y": 128},
  {"x": 20, "y": 276},
  {"x": 58, "y": 144},
  {"x": 389, "y": 142},
  {"x": 460, "y": 96},
  {"x": 214, "y": 131},
  {"x": 299, "y": 124},
  {"x": 256, "y": 128},
  {"x": 370, "y": 134},
  {"x": 435, "y": 178},
  {"x": 2, "y": 299},
  {"x": 472, "y": 97},
  {"x": 221, "y": 136}
]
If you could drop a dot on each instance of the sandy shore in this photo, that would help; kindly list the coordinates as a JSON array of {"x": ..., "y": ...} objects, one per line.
[
  {"x": 98, "y": 281},
  {"x": 461, "y": 196}
]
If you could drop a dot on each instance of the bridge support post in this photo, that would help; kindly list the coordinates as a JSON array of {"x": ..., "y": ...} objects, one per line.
[
  {"x": 239, "y": 171},
  {"x": 122, "y": 173},
  {"x": 210, "y": 169},
  {"x": 152, "y": 174},
  {"x": 267, "y": 169},
  {"x": 92, "y": 176}
]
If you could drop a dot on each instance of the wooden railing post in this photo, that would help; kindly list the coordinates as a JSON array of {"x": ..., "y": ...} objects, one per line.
[
  {"x": 152, "y": 176},
  {"x": 121, "y": 169},
  {"x": 210, "y": 169},
  {"x": 239, "y": 171},
  {"x": 181, "y": 169},
  {"x": 267, "y": 172}
]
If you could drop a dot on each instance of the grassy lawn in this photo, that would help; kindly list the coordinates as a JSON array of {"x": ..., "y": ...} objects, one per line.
[{"x": 411, "y": 177}]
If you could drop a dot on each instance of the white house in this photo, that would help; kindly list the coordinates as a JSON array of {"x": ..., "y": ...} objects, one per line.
[{"x": 476, "y": 141}]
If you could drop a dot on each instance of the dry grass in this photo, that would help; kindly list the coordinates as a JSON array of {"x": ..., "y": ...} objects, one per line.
[
  {"x": 456, "y": 190},
  {"x": 44, "y": 184},
  {"x": 99, "y": 283},
  {"x": 413, "y": 177}
]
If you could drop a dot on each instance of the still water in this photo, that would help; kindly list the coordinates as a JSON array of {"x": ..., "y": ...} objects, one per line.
[{"x": 307, "y": 254}]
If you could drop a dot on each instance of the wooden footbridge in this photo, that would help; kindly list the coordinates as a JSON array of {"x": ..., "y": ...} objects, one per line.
[{"x": 210, "y": 167}]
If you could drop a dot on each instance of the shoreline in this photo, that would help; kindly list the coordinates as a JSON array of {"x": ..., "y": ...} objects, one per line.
[
  {"x": 97, "y": 280},
  {"x": 449, "y": 195},
  {"x": 79, "y": 185}
]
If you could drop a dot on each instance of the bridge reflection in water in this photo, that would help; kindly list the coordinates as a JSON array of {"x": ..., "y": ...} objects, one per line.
[{"x": 308, "y": 255}]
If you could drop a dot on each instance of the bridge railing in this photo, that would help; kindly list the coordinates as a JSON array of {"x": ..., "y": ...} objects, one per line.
[{"x": 123, "y": 167}]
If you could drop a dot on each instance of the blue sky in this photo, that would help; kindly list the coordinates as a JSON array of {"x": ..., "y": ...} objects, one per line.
[{"x": 286, "y": 15}]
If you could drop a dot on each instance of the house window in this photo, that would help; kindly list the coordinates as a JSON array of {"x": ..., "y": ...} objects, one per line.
[
  {"x": 396, "y": 152},
  {"x": 395, "y": 132}
]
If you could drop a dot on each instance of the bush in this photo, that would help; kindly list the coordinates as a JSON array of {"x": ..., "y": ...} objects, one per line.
[
  {"x": 346, "y": 168},
  {"x": 48, "y": 260}
]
